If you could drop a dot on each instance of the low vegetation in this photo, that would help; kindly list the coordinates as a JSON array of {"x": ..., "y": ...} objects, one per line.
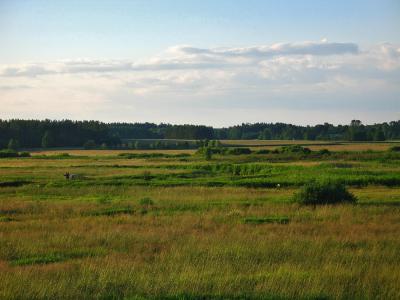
[
  {"x": 163, "y": 225},
  {"x": 7, "y": 153},
  {"x": 328, "y": 192}
]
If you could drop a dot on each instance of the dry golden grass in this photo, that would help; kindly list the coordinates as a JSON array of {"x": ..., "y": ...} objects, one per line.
[
  {"x": 108, "y": 152},
  {"x": 189, "y": 244},
  {"x": 271, "y": 142},
  {"x": 71, "y": 241},
  {"x": 313, "y": 145},
  {"x": 341, "y": 147}
]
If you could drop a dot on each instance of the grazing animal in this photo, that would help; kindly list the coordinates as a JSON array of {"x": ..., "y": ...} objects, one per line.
[{"x": 69, "y": 176}]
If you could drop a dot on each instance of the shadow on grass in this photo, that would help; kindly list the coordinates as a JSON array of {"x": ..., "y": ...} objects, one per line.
[
  {"x": 110, "y": 212},
  {"x": 380, "y": 203},
  {"x": 53, "y": 258},
  {"x": 15, "y": 183},
  {"x": 263, "y": 220}
]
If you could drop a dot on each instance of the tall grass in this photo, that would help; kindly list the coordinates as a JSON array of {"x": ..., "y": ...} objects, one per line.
[{"x": 195, "y": 229}]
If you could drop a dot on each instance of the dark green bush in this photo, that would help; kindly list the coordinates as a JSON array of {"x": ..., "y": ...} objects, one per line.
[
  {"x": 208, "y": 153},
  {"x": 24, "y": 154},
  {"x": 324, "y": 152},
  {"x": 239, "y": 151},
  {"x": 12, "y": 153},
  {"x": 394, "y": 149},
  {"x": 263, "y": 151},
  {"x": 294, "y": 149},
  {"x": 8, "y": 153},
  {"x": 329, "y": 192}
]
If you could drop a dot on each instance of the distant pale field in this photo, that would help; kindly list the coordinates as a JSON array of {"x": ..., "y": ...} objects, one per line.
[
  {"x": 341, "y": 147},
  {"x": 253, "y": 144},
  {"x": 108, "y": 152},
  {"x": 314, "y": 145},
  {"x": 271, "y": 142}
]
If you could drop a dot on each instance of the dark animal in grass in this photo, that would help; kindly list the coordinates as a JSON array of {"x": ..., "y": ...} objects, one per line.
[{"x": 69, "y": 176}]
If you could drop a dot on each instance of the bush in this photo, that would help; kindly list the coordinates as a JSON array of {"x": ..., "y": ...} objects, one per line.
[
  {"x": 324, "y": 152},
  {"x": 24, "y": 154},
  {"x": 239, "y": 151},
  {"x": 294, "y": 149},
  {"x": 208, "y": 153},
  {"x": 329, "y": 192},
  {"x": 12, "y": 153},
  {"x": 8, "y": 153},
  {"x": 394, "y": 149},
  {"x": 263, "y": 151}
]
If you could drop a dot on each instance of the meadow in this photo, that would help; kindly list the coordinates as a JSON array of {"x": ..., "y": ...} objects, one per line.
[{"x": 172, "y": 225}]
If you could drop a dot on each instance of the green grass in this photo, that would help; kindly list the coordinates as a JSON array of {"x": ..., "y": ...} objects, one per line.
[{"x": 159, "y": 227}]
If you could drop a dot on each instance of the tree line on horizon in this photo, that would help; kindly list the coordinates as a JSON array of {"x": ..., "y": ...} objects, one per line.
[{"x": 16, "y": 133}]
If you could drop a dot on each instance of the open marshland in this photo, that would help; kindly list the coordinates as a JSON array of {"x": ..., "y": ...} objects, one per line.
[{"x": 174, "y": 225}]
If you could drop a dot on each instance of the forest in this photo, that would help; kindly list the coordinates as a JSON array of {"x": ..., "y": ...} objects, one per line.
[{"x": 16, "y": 133}]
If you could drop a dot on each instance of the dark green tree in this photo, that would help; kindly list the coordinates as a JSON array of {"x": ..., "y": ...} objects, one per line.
[
  {"x": 90, "y": 144},
  {"x": 13, "y": 144},
  {"x": 47, "y": 140},
  {"x": 379, "y": 135}
]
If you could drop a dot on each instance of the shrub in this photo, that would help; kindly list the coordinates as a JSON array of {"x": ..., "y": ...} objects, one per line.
[
  {"x": 394, "y": 149},
  {"x": 8, "y": 153},
  {"x": 208, "y": 153},
  {"x": 328, "y": 192},
  {"x": 12, "y": 153},
  {"x": 263, "y": 151},
  {"x": 294, "y": 149},
  {"x": 214, "y": 150},
  {"x": 324, "y": 152},
  {"x": 239, "y": 151},
  {"x": 24, "y": 154}
]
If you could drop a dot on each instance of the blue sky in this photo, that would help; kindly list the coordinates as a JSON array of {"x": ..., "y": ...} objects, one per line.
[{"x": 214, "y": 62}]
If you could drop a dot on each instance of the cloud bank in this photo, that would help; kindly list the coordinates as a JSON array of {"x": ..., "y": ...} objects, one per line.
[{"x": 280, "y": 82}]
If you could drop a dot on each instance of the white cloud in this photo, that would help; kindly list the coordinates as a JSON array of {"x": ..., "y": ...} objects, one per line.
[
  {"x": 185, "y": 58},
  {"x": 291, "y": 76}
]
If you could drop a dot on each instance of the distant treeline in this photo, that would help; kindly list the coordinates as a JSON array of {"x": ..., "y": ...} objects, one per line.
[{"x": 66, "y": 133}]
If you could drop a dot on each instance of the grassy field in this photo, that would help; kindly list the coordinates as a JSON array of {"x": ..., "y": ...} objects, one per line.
[{"x": 177, "y": 226}]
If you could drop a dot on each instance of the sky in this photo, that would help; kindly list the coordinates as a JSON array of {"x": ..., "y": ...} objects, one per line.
[{"x": 212, "y": 62}]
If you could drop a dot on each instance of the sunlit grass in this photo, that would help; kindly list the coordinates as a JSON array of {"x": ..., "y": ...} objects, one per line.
[{"x": 84, "y": 239}]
